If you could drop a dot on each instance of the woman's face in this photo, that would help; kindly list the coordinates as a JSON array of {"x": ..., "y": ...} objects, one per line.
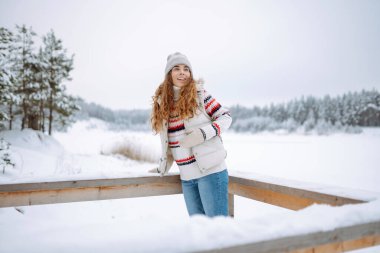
[{"x": 180, "y": 75}]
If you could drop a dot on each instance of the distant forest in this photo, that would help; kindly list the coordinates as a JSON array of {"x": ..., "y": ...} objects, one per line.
[
  {"x": 346, "y": 113},
  {"x": 118, "y": 119}
]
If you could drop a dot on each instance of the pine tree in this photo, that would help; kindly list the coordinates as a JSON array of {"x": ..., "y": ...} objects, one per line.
[
  {"x": 310, "y": 122},
  {"x": 40, "y": 100},
  {"x": 6, "y": 93},
  {"x": 5, "y": 155},
  {"x": 369, "y": 114},
  {"x": 300, "y": 113},
  {"x": 64, "y": 108},
  {"x": 58, "y": 67},
  {"x": 23, "y": 62}
]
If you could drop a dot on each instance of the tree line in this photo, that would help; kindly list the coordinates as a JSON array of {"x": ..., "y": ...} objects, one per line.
[
  {"x": 118, "y": 120},
  {"x": 347, "y": 112},
  {"x": 31, "y": 80}
]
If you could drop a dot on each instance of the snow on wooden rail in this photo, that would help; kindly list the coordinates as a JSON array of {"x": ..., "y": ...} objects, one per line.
[{"x": 338, "y": 240}]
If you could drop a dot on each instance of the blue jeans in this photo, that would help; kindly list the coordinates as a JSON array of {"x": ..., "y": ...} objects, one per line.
[{"x": 207, "y": 195}]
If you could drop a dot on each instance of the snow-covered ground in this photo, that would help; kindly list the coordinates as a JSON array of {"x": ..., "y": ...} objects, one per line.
[{"x": 161, "y": 224}]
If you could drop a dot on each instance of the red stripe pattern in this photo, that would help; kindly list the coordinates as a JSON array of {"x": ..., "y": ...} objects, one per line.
[
  {"x": 211, "y": 105},
  {"x": 185, "y": 161},
  {"x": 176, "y": 126},
  {"x": 216, "y": 127},
  {"x": 173, "y": 144}
]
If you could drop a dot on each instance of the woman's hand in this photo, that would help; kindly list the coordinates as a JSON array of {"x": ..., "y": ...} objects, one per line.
[
  {"x": 195, "y": 138},
  {"x": 155, "y": 170}
]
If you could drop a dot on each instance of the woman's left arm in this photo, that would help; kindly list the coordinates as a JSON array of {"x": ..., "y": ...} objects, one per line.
[
  {"x": 220, "y": 117},
  {"x": 220, "y": 121}
]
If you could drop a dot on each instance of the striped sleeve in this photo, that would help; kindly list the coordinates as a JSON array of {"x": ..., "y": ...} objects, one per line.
[{"x": 220, "y": 117}]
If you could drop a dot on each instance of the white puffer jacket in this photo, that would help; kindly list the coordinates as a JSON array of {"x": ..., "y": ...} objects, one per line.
[{"x": 207, "y": 154}]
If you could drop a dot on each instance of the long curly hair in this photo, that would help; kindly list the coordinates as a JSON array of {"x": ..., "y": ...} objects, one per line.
[{"x": 164, "y": 105}]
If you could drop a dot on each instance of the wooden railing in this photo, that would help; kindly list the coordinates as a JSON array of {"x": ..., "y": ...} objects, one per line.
[
  {"x": 84, "y": 190},
  {"x": 339, "y": 240}
]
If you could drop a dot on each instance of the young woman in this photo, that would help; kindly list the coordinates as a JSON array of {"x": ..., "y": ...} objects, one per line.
[{"x": 190, "y": 122}]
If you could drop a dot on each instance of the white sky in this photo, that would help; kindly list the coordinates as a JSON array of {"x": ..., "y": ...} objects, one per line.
[{"x": 248, "y": 52}]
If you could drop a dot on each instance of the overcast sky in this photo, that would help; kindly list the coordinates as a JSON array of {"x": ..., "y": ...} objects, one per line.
[{"x": 248, "y": 52}]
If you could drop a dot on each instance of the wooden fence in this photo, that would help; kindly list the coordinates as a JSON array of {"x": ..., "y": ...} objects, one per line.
[{"x": 339, "y": 240}]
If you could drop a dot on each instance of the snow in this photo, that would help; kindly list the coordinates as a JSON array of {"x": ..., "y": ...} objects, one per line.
[
  {"x": 342, "y": 164},
  {"x": 84, "y": 153},
  {"x": 364, "y": 195},
  {"x": 82, "y": 229},
  {"x": 346, "y": 160}
]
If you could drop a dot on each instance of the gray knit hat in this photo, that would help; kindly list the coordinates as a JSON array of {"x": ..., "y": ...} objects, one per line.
[{"x": 175, "y": 59}]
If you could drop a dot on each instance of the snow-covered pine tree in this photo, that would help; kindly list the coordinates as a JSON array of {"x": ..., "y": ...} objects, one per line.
[
  {"x": 6, "y": 93},
  {"x": 24, "y": 62},
  {"x": 5, "y": 155},
  {"x": 369, "y": 108},
  {"x": 58, "y": 67},
  {"x": 64, "y": 108},
  {"x": 291, "y": 111},
  {"x": 311, "y": 104},
  {"x": 282, "y": 114},
  {"x": 327, "y": 109},
  {"x": 310, "y": 121},
  {"x": 300, "y": 113},
  {"x": 348, "y": 109},
  {"x": 41, "y": 98},
  {"x": 337, "y": 112}
]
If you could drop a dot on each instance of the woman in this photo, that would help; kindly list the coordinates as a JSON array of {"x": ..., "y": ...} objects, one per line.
[{"x": 190, "y": 122}]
